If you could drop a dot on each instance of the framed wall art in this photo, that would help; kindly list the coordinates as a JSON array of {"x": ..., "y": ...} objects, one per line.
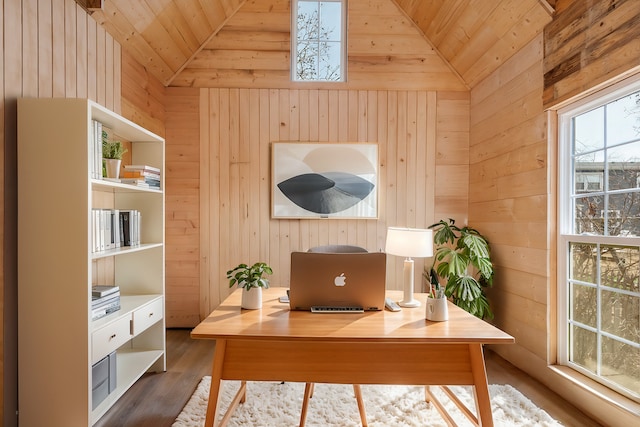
[{"x": 324, "y": 180}]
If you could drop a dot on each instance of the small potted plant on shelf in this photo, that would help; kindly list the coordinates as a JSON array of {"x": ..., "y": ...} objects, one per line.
[
  {"x": 463, "y": 262},
  {"x": 250, "y": 279},
  {"x": 112, "y": 152}
]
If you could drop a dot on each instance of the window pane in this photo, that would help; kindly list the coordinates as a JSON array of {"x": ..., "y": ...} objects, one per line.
[
  {"x": 589, "y": 131},
  {"x": 583, "y": 348},
  {"x": 588, "y": 215},
  {"x": 307, "y": 65},
  {"x": 583, "y": 304},
  {"x": 329, "y": 61},
  {"x": 623, "y": 215},
  {"x": 623, "y": 119},
  {"x": 619, "y": 267},
  {"x": 308, "y": 23},
  {"x": 623, "y": 166},
  {"x": 621, "y": 316},
  {"x": 588, "y": 175},
  {"x": 330, "y": 18},
  {"x": 583, "y": 263},
  {"x": 621, "y": 364}
]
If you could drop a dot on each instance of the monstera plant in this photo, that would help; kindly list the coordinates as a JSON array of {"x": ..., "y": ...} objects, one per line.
[{"x": 463, "y": 263}]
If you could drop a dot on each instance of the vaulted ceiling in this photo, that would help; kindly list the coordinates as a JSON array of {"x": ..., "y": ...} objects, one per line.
[{"x": 473, "y": 37}]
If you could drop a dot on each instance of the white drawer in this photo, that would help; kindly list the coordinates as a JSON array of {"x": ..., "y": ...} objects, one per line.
[
  {"x": 108, "y": 338},
  {"x": 147, "y": 315}
]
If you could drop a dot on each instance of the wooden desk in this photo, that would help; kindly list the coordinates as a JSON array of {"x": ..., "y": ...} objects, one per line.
[{"x": 276, "y": 344}]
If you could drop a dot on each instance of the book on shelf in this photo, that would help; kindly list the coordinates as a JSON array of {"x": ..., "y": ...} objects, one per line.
[
  {"x": 144, "y": 168},
  {"x": 100, "y": 312},
  {"x": 130, "y": 223},
  {"x": 104, "y": 290},
  {"x": 140, "y": 174},
  {"x": 136, "y": 182},
  {"x": 106, "y": 301},
  {"x": 142, "y": 182}
]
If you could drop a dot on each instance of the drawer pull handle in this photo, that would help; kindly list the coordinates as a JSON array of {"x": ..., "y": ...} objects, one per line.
[
  {"x": 112, "y": 337},
  {"x": 151, "y": 314}
]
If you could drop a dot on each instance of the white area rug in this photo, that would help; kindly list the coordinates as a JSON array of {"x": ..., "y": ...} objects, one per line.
[{"x": 276, "y": 404}]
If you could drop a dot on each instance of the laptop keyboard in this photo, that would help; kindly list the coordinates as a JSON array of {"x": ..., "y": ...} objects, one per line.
[{"x": 326, "y": 309}]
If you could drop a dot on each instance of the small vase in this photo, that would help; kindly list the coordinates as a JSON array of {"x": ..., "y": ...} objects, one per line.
[
  {"x": 251, "y": 298},
  {"x": 113, "y": 167}
]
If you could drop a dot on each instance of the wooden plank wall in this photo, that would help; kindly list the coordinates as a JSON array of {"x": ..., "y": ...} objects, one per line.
[
  {"x": 237, "y": 127},
  {"x": 589, "y": 44},
  {"x": 143, "y": 96},
  {"x": 182, "y": 196},
  {"x": 51, "y": 48},
  {"x": 508, "y": 195}
]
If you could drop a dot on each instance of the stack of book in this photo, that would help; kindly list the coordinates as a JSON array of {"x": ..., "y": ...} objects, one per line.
[
  {"x": 104, "y": 300},
  {"x": 141, "y": 176},
  {"x": 114, "y": 228}
]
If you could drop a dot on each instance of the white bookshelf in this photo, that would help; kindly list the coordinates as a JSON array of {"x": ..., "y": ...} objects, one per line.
[{"x": 57, "y": 341}]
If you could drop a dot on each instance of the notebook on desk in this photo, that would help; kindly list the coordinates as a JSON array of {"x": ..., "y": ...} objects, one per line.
[{"x": 337, "y": 281}]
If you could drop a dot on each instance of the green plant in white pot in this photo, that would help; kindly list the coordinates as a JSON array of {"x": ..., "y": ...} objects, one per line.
[
  {"x": 463, "y": 262},
  {"x": 250, "y": 279},
  {"x": 112, "y": 152}
]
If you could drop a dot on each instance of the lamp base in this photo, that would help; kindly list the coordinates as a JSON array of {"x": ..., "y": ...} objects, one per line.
[
  {"x": 409, "y": 304},
  {"x": 408, "y": 300}
]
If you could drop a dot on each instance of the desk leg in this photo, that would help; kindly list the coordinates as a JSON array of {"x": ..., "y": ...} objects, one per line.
[
  {"x": 216, "y": 376},
  {"x": 483, "y": 402}
]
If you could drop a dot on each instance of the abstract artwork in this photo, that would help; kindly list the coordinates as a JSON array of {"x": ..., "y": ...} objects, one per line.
[{"x": 324, "y": 180}]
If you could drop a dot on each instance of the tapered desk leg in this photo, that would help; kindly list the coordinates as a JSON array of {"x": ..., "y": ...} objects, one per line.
[
  {"x": 308, "y": 393},
  {"x": 216, "y": 376},
  {"x": 363, "y": 415},
  {"x": 483, "y": 402}
]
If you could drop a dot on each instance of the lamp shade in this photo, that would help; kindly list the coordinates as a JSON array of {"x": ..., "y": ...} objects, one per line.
[{"x": 409, "y": 242}]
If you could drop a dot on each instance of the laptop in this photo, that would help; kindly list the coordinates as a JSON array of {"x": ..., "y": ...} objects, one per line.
[{"x": 337, "y": 282}]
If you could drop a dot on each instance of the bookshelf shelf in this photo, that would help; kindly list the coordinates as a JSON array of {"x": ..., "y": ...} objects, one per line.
[
  {"x": 124, "y": 250},
  {"x": 103, "y": 185},
  {"x": 57, "y": 266}
]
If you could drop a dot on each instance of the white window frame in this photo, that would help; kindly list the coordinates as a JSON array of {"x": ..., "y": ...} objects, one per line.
[
  {"x": 294, "y": 42},
  {"x": 565, "y": 216}
]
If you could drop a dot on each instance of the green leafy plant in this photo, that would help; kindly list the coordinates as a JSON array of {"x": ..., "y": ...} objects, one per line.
[
  {"x": 249, "y": 276},
  {"x": 112, "y": 149},
  {"x": 463, "y": 261}
]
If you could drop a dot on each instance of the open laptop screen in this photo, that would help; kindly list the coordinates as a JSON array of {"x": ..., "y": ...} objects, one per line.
[{"x": 338, "y": 280}]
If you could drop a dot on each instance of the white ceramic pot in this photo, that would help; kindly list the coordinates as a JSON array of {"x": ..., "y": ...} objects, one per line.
[
  {"x": 252, "y": 298},
  {"x": 113, "y": 167}
]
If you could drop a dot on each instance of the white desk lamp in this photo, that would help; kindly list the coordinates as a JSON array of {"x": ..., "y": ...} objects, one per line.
[{"x": 409, "y": 242}]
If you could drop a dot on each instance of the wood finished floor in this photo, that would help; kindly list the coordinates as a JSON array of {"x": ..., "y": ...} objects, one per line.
[{"x": 157, "y": 399}]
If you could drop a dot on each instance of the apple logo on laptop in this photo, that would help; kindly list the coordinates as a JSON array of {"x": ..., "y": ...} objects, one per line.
[{"x": 340, "y": 280}]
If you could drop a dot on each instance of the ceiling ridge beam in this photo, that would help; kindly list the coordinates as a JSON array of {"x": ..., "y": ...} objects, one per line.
[
  {"x": 435, "y": 49},
  {"x": 548, "y": 7},
  {"x": 90, "y": 6},
  {"x": 203, "y": 44}
]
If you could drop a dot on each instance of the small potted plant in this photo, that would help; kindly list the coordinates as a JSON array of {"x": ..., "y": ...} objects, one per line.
[
  {"x": 112, "y": 152},
  {"x": 248, "y": 278},
  {"x": 463, "y": 262}
]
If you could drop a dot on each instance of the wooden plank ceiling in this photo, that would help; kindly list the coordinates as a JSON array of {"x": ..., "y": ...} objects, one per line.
[{"x": 169, "y": 36}]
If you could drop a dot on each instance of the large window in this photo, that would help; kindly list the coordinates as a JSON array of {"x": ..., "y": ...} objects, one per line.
[
  {"x": 317, "y": 43},
  {"x": 599, "y": 237}
]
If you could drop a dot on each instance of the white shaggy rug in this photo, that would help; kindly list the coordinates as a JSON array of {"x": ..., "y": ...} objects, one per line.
[{"x": 279, "y": 404}]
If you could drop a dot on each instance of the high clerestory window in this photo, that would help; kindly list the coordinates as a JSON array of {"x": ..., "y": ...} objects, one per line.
[
  {"x": 318, "y": 49},
  {"x": 599, "y": 237}
]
